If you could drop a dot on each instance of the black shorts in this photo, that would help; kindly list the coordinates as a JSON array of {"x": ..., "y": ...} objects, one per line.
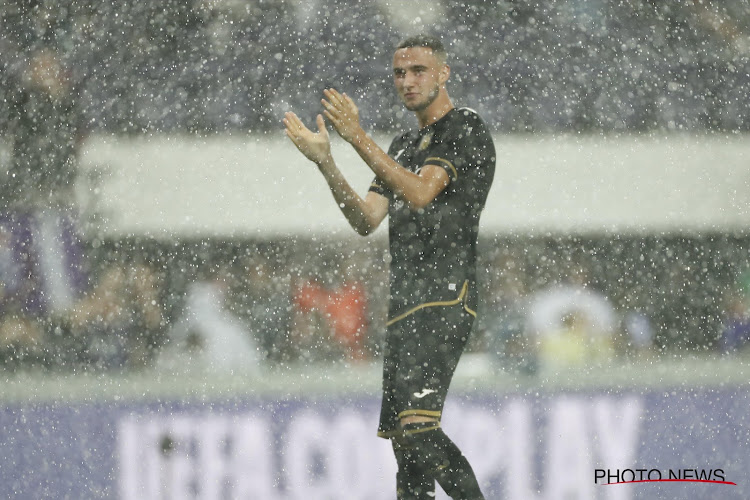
[{"x": 420, "y": 356}]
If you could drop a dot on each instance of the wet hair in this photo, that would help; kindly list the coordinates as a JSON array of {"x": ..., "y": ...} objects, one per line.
[{"x": 427, "y": 41}]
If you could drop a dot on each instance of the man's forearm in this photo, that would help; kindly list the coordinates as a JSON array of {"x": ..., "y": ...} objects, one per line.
[
  {"x": 349, "y": 202},
  {"x": 416, "y": 190},
  {"x": 402, "y": 182}
]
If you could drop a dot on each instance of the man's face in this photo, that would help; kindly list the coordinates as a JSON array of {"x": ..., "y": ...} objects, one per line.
[{"x": 418, "y": 75}]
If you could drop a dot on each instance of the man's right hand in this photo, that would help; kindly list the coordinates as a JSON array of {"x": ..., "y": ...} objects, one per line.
[{"x": 316, "y": 146}]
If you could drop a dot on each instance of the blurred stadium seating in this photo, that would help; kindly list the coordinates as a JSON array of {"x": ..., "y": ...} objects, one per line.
[{"x": 213, "y": 66}]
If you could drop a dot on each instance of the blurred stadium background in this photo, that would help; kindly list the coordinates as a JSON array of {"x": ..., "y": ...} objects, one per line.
[{"x": 185, "y": 314}]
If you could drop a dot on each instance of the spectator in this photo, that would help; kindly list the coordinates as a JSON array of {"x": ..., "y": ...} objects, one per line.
[
  {"x": 9, "y": 269},
  {"x": 262, "y": 300},
  {"x": 22, "y": 343},
  {"x": 208, "y": 337},
  {"x": 45, "y": 132},
  {"x": 95, "y": 333},
  {"x": 43, "y": 124},
  {"x": 332, "y": 319},
  {"x": 311, "y": 332},
  {"x": 346, "y": 309},
  {"x": 735, "y": 329},
  {"x": 503, "y": 317},
  {"x": 116, "y": 325},
  {"x": 572, "y": 325},
  {"x": 566, "y": 345},
  {"x": 146, "y": 299},
  {"x": 639, "y": 333}
]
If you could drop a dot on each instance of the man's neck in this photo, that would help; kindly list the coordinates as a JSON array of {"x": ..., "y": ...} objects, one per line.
[{"x": 436, "y": 110}]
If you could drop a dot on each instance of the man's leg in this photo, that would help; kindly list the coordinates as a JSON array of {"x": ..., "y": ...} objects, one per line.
[
  {"x": 412, "y": 481},
  {"x": 433, "y": 456},
  {"x": 431, "y": 345},
  {"x": 440, "y": 335}
]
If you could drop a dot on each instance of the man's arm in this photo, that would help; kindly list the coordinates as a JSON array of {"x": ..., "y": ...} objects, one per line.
[
  {"x": 418, "y": 190},
  {"x": 363, "y": 214}
]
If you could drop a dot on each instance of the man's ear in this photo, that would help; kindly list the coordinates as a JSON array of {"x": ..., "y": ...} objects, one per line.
[{"x": 445, "y": 73}]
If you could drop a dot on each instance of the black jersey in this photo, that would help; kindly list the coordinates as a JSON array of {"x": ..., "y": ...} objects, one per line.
[{"x": 433, "y": 249}]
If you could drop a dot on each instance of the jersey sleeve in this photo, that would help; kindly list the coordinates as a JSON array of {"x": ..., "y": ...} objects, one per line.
[{"x": 467, "y": 147}]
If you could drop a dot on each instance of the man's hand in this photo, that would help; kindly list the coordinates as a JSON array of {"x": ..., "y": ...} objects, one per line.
[
  {"x": 316, "y": 146},
  {"x": 343, "y": 114}
]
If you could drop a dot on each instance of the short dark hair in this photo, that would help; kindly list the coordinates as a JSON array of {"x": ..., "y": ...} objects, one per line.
[{"x": 427, "y": 41}]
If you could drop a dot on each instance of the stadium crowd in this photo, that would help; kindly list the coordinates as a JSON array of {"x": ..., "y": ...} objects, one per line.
[
  {"x": 539, "y": 66},
  {"x": 554, "y": 299}
]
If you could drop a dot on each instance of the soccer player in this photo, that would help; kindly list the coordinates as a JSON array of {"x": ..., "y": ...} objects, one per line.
[{"x": 432, "y": 184}]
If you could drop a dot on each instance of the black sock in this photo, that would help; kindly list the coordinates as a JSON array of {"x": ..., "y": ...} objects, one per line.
[
  {"x": 412, "y": 481},
  {"x": 439, "y": 458}
]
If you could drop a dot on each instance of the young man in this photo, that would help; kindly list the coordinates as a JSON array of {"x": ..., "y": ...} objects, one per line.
[{"x": 432, "y": 184}]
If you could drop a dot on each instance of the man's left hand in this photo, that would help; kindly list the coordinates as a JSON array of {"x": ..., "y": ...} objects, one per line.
[{"x": 343, "y": 114}]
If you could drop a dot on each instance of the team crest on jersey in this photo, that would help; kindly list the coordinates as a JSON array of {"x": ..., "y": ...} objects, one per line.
[{"x": 425, "y": 142}]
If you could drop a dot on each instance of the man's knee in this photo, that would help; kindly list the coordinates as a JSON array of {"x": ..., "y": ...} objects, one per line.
[
  {"x": 419, "y": 440},
  {"x": 440, "y": 458}
]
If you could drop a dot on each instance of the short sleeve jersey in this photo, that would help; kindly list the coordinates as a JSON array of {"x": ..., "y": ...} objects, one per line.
[{"x": 434, "y": 249}]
